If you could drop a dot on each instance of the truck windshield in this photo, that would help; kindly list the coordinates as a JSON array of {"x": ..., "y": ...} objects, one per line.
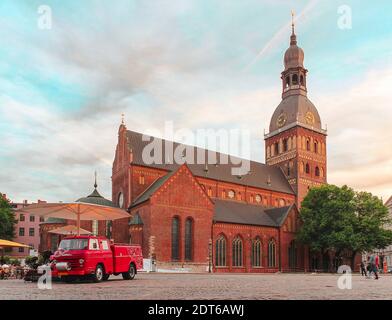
[{"x": 74, "y": 244}]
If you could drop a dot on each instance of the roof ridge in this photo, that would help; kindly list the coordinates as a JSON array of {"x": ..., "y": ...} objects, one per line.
[
  {"x": 204, "y": 149},
  {"x": 150, "y": 186},
  {"x": 220, "y": 171}
]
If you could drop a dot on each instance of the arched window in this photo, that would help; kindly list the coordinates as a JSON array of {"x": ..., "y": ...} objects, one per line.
[
  {"x": 276, "y": 148},
  {"x": 317, "y": 172},
  {"x": 301, "y": 79},
  {"x": 220, "y": 251},
  {"x": 307, "y": 144},
  {"x": 231, "y": 194},
  {"x": 287, "y": 81},
  {"x": 175, "y": 234},
  {"x": 141, "y": 180},
  {"x": 295, "y": 79},
  {"x": 307, "y": 168},
  {"x": 285, "y": 146},
  {"x": 316, "y": 147},
  {"x": 256, "y": 252},
  {"x": 292, "y": 255},
  {"x": 189, "y": 239},
  {"x": 237, "y": 252},
  {"x": 289, "y": 143},
  {"x": 271, "y": 253}
]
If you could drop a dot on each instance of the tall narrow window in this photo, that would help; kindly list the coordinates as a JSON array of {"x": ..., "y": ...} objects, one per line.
[
  {"x": 307, "y": 145},
  {"x": 292, "y": 255},
  {"x": 276, "y": 148},
  {"x": 307, "y": 168},
  {"x": 175, "y": 233},
  {"x": 256, "y": 253},
  {"x": 271, "y": 254},
  {"x": 237, "y": 252},
  {"x": 295, "y": 79},
  {"x": 220, "y": 251},
  {"x": 95, "y": 227},
  {"x": 285, "y": 145},
  {"x": 189, "y": 239},
  {"x": 317, "y": 171},
  {"x": 287, "y": 81}
]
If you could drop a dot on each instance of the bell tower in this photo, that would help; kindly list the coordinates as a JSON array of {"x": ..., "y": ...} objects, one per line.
[{"x": 296, "y": 141}]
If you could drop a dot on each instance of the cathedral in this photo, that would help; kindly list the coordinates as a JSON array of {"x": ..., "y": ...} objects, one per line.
[{"x": 202, "y": 218}]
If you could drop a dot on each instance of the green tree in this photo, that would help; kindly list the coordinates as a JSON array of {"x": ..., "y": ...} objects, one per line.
[
  {"x": 340, "y": 220},
  {"x": 371, "y": 222},
  {"x": 7, "y": 219}
]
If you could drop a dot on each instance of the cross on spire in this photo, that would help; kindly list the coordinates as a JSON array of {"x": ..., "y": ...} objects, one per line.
[
  {"x": 293, "y": 38},
  {"x": 292, "y": 21},
  {"x": 122, "y": 118}
]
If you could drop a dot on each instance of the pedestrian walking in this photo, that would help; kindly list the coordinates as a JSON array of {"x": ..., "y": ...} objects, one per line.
[
  {"x": 376, "y": 265},
  {"x": 363, "y": 269}
]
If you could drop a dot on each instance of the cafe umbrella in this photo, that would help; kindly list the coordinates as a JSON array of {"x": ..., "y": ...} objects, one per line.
[
  {"x": 10, "y": 244},
  {"x": 92, "y": 207},
  {"x": 69, "y": 230}
]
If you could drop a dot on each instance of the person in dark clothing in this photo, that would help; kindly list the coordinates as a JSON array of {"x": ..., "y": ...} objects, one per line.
[{"x": 363, "y": 269}]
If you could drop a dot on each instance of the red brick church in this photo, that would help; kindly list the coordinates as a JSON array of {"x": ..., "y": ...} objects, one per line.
[{"x": 202, "y": 217}]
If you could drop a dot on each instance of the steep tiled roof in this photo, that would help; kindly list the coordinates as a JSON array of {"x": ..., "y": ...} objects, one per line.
[
  {"x": 260, "y": 176},
  {"x": 244, "y": 213},
  {"x": 151, "y": 189}
]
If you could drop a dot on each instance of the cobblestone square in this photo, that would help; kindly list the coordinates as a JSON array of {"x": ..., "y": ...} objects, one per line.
[{"x": 206, "y": 286}]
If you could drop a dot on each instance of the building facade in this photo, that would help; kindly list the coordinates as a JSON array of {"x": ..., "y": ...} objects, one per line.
[
  {"x": 200, "y": 216},
  {"x": 26, "y": 231}
]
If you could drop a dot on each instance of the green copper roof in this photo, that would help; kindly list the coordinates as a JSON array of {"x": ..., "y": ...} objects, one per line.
[{"x": 96, "y": 198}]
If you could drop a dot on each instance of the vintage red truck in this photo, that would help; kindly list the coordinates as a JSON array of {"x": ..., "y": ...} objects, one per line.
[{"x": 95, "y": 257}]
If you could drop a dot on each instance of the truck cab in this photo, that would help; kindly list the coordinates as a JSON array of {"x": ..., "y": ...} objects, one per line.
[{"x": 95, "y": 257}]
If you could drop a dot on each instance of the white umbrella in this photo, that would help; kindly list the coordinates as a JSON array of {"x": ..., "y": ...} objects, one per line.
[
  {"x": 75, "y": 211},
  {"x": 69, "y": 230}
]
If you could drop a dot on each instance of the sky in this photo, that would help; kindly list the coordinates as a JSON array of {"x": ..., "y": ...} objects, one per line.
[{"x": 196, "y": 63}]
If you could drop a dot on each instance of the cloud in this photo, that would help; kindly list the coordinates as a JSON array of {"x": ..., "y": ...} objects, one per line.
[{"x": 154, "y": 65}]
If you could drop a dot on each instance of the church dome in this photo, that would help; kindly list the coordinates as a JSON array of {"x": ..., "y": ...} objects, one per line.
[
  {"x": 294, "y": 56},
  {"x": 295, "y": 109},
  {"x": 96, "y": 198}
]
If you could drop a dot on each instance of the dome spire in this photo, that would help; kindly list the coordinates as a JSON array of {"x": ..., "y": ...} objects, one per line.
[
  {"x": 293, "y": 38},
  {"x": 95, "y": 183}
]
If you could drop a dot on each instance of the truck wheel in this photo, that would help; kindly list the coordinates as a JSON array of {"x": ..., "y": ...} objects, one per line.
[
  {"x": 130, "y": 275},
  {"x": 98, "y": 274}
]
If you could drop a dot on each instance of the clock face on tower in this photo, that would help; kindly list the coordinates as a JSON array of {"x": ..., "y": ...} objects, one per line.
[
  {"x": 281, "y": 120},
  {"x": 309, "y": 117}
]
